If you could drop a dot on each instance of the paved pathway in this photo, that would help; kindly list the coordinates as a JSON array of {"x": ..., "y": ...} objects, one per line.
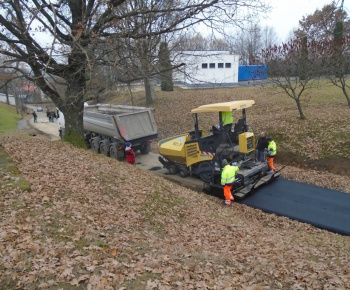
[{"x": 324, "y": 208}]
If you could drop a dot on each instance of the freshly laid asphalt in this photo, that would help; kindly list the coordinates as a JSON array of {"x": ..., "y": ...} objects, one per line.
[{"x": 323, "y": 208}]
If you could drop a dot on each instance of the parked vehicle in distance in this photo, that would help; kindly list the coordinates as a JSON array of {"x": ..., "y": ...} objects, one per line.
[{"x": 39, "y": 109}]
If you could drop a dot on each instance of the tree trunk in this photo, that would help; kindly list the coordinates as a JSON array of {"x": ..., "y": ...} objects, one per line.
[
  {"x": 7, "y": 95},
  {"x": 302, "y": 116},
  {"x": 18, "y": 104},
  {"x": 345, "y": 93},
  {"x": 73, "y": 117},
  {"x": 73, "y": 104},
  {"x": 148, "y": 90}
]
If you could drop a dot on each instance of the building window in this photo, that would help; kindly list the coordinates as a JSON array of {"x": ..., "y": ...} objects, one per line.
[
  {"x": 212, "y": 65},
  {"x": 227, "y": 65},
  {"x": 220, "y": 65},
  {"x": 204, "y": 65}
]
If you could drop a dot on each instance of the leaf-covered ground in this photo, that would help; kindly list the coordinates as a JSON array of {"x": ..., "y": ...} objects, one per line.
[
  {"x": 91, "y": 222},
  {"x": 95, "y": 223}
]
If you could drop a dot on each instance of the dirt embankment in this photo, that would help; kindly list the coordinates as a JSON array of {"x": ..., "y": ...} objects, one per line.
[{"x": 336, "y": 166}]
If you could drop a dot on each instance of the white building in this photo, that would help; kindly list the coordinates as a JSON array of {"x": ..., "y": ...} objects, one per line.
[{"x": 206, "y": 68}]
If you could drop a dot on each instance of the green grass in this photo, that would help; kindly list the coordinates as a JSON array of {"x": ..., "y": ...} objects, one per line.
[
  {"x": 8, "y": 118},
  {"x": 9, "y": 173},
  {"x": 8, "y": 123}
]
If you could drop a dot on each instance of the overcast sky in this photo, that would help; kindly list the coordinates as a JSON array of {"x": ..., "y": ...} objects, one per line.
[{"x": 285, "y": 14}]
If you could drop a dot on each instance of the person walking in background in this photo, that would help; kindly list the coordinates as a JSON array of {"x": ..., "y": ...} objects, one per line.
[
  {"x": 228, "y": 176},
  {"x": 53, "y": 117},
  {"x": 271, "y": 154},
  {"x": 261, "y": 147},
  {"x": 35, "y": 117},
  {"x": 129, "y": 154}
]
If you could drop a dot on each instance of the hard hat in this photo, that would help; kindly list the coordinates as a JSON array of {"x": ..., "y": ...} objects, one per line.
[
  {"x": 234, "y": 163},
  {"x": 128, "y": 144}
]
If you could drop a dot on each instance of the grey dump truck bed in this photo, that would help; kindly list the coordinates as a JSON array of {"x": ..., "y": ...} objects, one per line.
[
  {"x": 107, "y": 128},
  {"x": 124, "y": 123}
]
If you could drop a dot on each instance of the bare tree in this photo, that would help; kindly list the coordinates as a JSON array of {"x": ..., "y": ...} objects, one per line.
[
  {"x": 294, "y": 67},
  {"x": 5, "y": 79},
  {"x": 73, "y": 29},
  {"x": 11, "y": 83},
  {"x": 336, "y": 61},
  {"x": 141, "y": 54},
  {"x": 166, "y": 74},
  {"x": 330, "y": 27},
  {"x": 190, "y": 42},
  {"x": 250, "y": 41},
  {"x": 269, "y": 37},
  {"x": 320, "y": 25}
]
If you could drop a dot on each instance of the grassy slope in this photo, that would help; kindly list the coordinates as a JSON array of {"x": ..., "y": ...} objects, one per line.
[
  {"x": 8, "y": 118},
  {"x": 10, "y": 177}
]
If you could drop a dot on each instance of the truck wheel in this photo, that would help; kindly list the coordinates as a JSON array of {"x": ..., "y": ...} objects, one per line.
[
  {"x": 183, "y": 171},
  {"x": 172, "y": 169},
  {"x": 207, "y": 174},
  {"x": 115, "y": 153},
  {"x": 95, "y": 146},
  {"x": 146, "y": 148},
  {"x": 104, "y": 148},
  {"x": 87, "y": 143}
]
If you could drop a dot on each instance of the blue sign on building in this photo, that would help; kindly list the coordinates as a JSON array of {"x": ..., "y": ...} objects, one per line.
[{"x": 252, "y": 72}]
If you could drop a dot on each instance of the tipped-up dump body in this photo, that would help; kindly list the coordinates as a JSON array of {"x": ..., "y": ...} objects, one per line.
[
  {"x": 108, "y": 127},
  {"x": 126, "y": 123}
]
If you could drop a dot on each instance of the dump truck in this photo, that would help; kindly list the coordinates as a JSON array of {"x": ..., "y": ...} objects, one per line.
[
  {"x": 108, "y": 127},
  {"x": 200, "y": 153}
]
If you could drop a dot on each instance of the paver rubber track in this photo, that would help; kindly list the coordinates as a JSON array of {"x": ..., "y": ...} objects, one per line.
[{"x": 324, "y": 208}]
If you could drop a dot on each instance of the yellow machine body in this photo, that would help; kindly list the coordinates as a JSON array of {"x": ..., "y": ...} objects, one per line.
[
  {"x": 191, "y": 150},
  {"x": 176, "y": 150},
  {"x": 173, "y": 148},
  {"x": 246, "y": 142}
]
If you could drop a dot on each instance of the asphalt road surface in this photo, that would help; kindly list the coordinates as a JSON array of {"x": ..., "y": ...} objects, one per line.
[{"x": 324, "y": 208}]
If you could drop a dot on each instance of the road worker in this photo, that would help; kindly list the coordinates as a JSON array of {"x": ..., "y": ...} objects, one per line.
[
  {"x": 271, "y": 154},
  {"x": 261, "y": 147},
  {"x": 129, "y": 154},
  {"x": 227, "y": 120},
  {"x": 228, "y": 176}
]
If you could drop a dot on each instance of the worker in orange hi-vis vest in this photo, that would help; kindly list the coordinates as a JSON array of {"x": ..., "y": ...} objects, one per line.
[
  {"x": 228, "y": 176},
  {"x": 271, "y": 154}
]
